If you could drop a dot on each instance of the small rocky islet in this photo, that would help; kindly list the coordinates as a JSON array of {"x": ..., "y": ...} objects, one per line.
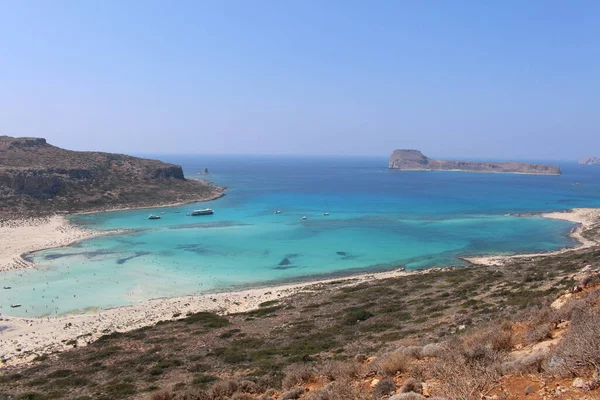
[{"x": 414, "y": 160}]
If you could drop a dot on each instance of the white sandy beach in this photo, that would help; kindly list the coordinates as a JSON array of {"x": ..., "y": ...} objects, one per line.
[
  {"x": 21, "y": 339},
  {"x": 18, "y": 237},
  {"x": 585, "y": 217}
]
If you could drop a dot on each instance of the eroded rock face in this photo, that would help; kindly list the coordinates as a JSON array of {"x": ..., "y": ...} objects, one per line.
[
  {"x": 173, "y": 171},
  {"x": 36, "y": 175},
  {"x": 35, "y": 183},
  {"x": 414, "y": 160}
]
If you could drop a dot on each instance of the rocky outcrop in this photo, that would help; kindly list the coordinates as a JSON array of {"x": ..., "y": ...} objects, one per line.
[
  {"x": 36, "y": 177},
  {"x": 414, "y": 160},
  {"x": 35, "y": 183},
  {"x": 173, "y": 171},
  {"x": 590, "y": 161}
]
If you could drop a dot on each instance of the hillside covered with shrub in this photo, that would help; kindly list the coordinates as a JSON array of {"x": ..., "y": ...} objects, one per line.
[{"x": 37, "y": 178}]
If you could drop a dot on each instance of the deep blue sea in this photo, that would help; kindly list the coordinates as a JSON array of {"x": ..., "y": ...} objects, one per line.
[{"x": 379, "y": 219}]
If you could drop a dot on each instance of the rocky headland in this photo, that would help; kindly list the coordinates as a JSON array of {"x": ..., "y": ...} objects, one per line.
[
  {"x": 590, "y": 161},
  {"x": 414, "y": 160},
  {"x": 38, "y": 179}
]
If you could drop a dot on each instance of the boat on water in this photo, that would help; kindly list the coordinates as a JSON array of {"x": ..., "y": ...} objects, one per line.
[
  {"x": 325, "y": 213},
  {"x": 277, "y": 212},
  {"x": 7, "y": 287},
  {"x": 15, "y": 305},
  {"x": 206, "y": 211},
  {"x": 304, "y": 217},
  {"x": 152, "y": 216}
]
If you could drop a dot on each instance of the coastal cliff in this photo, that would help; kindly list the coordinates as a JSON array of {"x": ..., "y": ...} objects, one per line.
[
  {"x": 590, "y": 161},
  {"x": 37, "y": 178},
  {"x": 414, "y": 160}
]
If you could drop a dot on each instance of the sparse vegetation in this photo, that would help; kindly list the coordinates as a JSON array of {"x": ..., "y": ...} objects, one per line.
[
  {"x": 384, "y": 387},
  {"x": 580, "y": 348}
]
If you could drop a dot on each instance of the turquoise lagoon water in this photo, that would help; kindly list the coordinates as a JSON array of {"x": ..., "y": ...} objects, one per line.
[{"x": 379, "y": 219}]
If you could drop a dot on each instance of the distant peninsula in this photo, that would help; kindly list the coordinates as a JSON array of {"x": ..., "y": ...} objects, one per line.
[
  {"x": 590, "y": 161},
  {"x": 38, "y": 179},
  {"x": 414, "y": 160}
]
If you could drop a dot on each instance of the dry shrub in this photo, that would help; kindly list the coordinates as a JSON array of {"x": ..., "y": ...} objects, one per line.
[
  {"x": 242, "y": 396},
  {"x": 339, "y": 390},
  {"x": 412, "y": 351},
  {"x": 408, "y": 396},
  {"x": 337, "y": 370},
  {"x": 580, "y": 347},
  {"x": 431, "y": 350},
  {"x": 590, "y": 280},
  {"x": 467, "y": 371},
  {"x": 390, "y": 364},
  {"x": 412, "y": 385},
  {"x": 420, "y": 372},
  {"x": 534, "y": 316},
  {"x": 292, "y": 394},
  {"x": 297, "y": 374},
  {"x": 502, "y": 340},
  {"x": 190, "y": 395},
  {"x": 496, "y": 338},
  {"x": 223, "y": 389},
  {"x": 248, "y": 387},
  {"x": 384, "y": 387},
  {"x": 531, "y": 363},
  {"x": 587, "y": 301},
  {"x": 538, "y": 334},
  {"x": 163, "y": 396}
]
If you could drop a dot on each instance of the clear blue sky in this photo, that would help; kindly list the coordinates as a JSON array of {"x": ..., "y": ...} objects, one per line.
[{"x": 502, "y": 79}]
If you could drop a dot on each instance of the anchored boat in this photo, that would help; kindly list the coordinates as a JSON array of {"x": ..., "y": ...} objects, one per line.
[
  {"x": 206, "y": 211},
  {"x": 152, "y": 216}
]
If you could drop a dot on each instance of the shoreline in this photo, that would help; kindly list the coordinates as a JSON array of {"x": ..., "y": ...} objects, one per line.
[
  {"x": 29, "y": 235},
  {"x": 216, "y": 196},
  {"x": 22, "y": 237},
  {"x": 475, "y": 172},
  {"x": 584, "y": 217},
  {"x": 21, "y": 339}
]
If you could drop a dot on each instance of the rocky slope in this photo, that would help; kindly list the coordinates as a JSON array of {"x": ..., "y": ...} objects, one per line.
[
  {"x": 414, "y": 160},
  {"x": 37, "y": 178},
  {"x": 590, "y": 161}
]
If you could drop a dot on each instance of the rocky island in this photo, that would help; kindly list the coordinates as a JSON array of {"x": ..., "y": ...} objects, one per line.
[
  {"x": 414, "y": 160},
  {"x": 590, "y": 161},
  {"x": 38, "y": 179}
]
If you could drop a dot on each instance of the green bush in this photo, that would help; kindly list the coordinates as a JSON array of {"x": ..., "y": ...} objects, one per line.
[
  {"x": 356, "y": 315},
  {"x": 207, "y": 320}
]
